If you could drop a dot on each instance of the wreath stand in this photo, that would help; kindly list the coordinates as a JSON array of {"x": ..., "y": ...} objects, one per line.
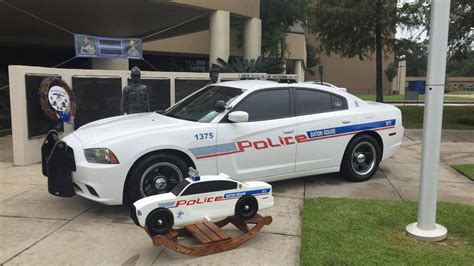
[{"x": 211, "y": 237}]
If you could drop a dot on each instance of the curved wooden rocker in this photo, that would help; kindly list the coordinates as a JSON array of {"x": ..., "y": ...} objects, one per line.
[{"x": 212, "y": 238}]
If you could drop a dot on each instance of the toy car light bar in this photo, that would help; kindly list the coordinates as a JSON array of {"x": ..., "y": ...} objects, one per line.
[{"x": 194, "y": 174}]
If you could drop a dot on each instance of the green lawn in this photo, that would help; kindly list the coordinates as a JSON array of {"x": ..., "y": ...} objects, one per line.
[
  {"x": 454, "y": 117},
  {"x": 465, "y": 169},
  {"x": 461, "y": 92},
  {"x": 450, "y": 98},
  {"x": 368, "y": 232}
]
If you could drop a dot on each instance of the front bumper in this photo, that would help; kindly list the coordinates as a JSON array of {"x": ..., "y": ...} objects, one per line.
[
  {"x": 57, "y": 160},
  {"x": 70, "y": 174}
]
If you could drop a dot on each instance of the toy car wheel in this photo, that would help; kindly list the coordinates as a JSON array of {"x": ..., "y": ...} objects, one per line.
[
  {"x": 159, "y": 222},
  {"x": 155, "y": 174},
  {"x": 361, "y": 159},
  {"x": 246, "y": 207}
]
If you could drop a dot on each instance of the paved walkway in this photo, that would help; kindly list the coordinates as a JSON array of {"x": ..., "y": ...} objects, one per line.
[{"x": 37, "y": 228}]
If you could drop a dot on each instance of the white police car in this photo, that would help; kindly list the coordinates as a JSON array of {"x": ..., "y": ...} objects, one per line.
[
  {"x": 207, "y": 198},
  {"x": 248, "y": 129}
]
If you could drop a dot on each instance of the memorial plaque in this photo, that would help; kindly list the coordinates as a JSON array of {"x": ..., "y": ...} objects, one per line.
[
  {"x": 184, "y": 87},
  {"x": 96, "y": 98},
  {"x": 38, "y": 123},
  {"x": 159, "y": 93}
]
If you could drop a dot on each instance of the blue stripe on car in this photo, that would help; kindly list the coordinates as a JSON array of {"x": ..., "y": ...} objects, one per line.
[
  {"x": 348, "y": 129},
  {"x": 226, "y": 148},
  {"x": 243, "y": 193}
]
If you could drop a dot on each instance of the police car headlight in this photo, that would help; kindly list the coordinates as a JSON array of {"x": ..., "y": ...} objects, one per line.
[{"x": 100, "y": 155}]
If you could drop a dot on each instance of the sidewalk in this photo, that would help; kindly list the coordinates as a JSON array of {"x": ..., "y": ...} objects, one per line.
[
  {"x": 398, "y": 177},
  {"x": 38, "y": 228}
]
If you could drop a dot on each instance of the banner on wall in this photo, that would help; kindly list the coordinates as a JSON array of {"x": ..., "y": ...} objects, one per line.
[{"x": 103, "y": 47}]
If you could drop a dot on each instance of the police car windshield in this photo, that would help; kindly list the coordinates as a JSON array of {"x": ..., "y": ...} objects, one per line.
[
  {"x": 199, "y": 107},
  {"x": 179, "y": 187}
]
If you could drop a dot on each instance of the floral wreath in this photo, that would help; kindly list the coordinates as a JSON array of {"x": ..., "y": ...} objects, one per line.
[{"x": 57, "y": 100}]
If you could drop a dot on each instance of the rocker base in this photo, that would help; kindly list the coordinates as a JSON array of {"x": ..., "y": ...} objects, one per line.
[{"x": 212, "y": 238}]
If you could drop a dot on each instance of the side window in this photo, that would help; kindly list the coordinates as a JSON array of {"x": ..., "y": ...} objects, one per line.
[
  {"x": 211, "y": 186},
  {"x": 312, "y": 102},
  {"x": 266, "y": 105},
  {"x": 338, "y": 103}
]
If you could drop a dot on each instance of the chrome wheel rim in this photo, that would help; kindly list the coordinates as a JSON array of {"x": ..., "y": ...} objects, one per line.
[
  {"x": 364, "y": 157},
  {"x": 159, "y": 178}
]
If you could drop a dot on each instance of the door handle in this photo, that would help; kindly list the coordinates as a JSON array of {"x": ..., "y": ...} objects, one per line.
[
  {"x": 288, "y": 130},
  {"x": 346, "y": 121}
]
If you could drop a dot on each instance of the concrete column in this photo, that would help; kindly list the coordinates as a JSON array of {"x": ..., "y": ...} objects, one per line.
[
  {"x": 401, "y": 75},
  {"x": 252, "y": 38},
  {"x": 110, "y": 64},
  {"x": 219, "y": 36},
  {"x": 299, "y": 70}
]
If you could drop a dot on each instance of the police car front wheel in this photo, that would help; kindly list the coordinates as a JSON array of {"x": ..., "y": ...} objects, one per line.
[{"x": 155, "y": 174}]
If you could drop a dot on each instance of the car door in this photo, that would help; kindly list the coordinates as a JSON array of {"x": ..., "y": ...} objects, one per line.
[
  {"x": 264, "y": 146},
  {"x": 324, "y": 129}
]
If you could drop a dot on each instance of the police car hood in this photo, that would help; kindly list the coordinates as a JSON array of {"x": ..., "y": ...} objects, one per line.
[{"x": 95, "y": 134}]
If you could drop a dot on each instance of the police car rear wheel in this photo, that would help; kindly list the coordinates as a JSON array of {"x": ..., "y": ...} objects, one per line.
[
  {"x": 246, "y": 207},
  {"x": 159, "y": 222},
  {"x": 155, "y": 174},
  {"x": 361, "y": 159}
]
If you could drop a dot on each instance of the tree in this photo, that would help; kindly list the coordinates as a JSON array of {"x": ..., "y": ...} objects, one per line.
[
  {"x": 461, "y": 67},
  {"x": 312, "y": 58},
  {"x": 416, "y": 56},
  {"x": 391, "y": 73},
  {"x": 277, "y": 17},
  {"x": 356, "y": 28},
  {"x": 461, "y": 35},
  {"x": 416, "y": 15}
]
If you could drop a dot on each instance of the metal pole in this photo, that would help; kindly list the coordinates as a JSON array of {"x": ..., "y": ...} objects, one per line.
[{"x": 426, "y": 227}]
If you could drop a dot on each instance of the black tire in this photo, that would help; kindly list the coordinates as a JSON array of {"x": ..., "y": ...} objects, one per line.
[
  {"x": 142, "y": 179},
  {"x": 159, "y": 221},
  {"x": 246, "y": 207},
  {"x": 361, "y": 158}
]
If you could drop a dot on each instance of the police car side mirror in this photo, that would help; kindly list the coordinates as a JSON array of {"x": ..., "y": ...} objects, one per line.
[
  {"x": 219, "y": 106},
  {"x": 238, "y": 117}
]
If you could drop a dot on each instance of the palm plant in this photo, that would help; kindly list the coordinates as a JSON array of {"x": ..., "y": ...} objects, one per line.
[{"x": 239, "y": 65}]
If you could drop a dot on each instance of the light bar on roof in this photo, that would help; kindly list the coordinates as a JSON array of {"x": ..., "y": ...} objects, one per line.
[
  {"x": 264, "y": 76},
  {"x": 253, "y": 76},
  {"x": 282, "y": 76}
]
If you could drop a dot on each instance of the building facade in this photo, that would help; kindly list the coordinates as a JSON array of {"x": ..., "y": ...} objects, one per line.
[{"x": 178, "y": 35}]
